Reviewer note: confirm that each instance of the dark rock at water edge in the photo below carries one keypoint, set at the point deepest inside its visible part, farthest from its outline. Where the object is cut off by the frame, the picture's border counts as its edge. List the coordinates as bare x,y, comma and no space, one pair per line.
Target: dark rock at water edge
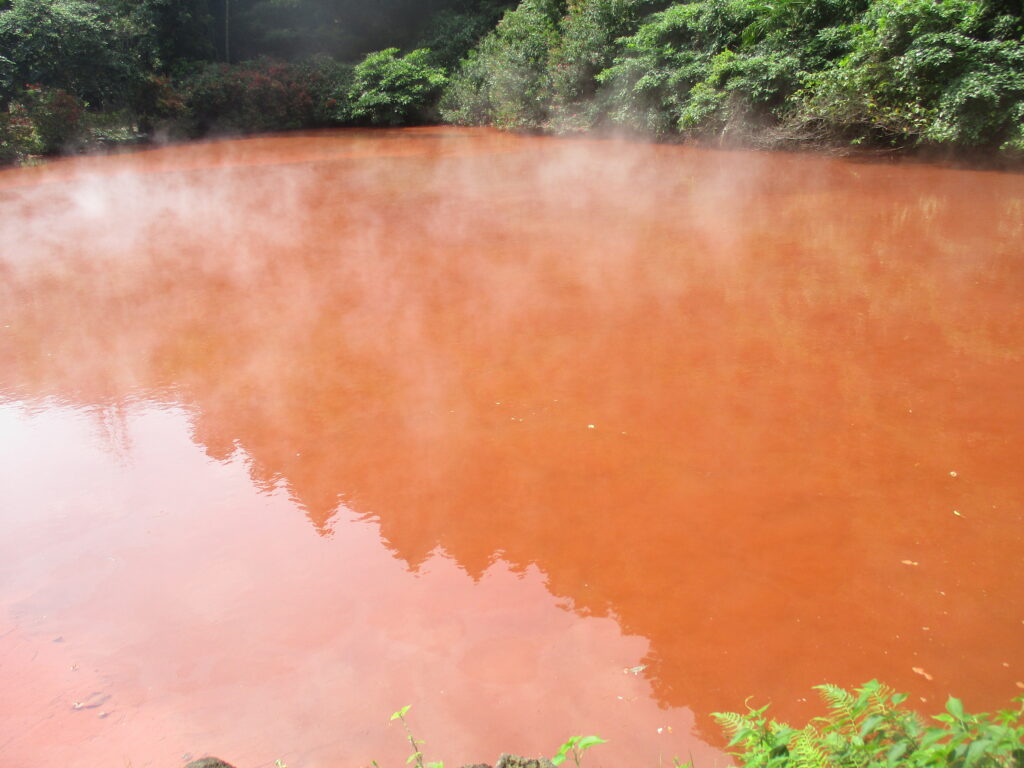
209,762
505,761
515,761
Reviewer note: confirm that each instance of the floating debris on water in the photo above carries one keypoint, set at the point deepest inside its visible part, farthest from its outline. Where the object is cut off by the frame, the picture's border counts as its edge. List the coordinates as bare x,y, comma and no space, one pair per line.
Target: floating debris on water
922,673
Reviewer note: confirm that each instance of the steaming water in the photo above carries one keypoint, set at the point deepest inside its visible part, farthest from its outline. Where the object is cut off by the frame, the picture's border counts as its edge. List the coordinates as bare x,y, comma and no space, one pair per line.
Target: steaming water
542,437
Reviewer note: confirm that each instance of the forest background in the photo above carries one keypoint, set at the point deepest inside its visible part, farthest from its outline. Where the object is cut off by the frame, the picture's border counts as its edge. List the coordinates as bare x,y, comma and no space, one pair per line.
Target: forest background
885,74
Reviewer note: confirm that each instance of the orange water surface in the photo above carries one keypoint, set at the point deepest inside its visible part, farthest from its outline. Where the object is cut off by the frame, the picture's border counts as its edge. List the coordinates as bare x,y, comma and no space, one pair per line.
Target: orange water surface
539,436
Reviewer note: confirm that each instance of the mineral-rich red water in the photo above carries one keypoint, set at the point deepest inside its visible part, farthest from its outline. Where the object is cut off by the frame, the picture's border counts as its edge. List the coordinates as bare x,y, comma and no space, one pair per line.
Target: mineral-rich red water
541,437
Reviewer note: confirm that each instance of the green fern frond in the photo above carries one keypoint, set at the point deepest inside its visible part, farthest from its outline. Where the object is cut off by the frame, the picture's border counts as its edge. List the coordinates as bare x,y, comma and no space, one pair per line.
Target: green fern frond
841,704
732,722
873,698
807,750
879,697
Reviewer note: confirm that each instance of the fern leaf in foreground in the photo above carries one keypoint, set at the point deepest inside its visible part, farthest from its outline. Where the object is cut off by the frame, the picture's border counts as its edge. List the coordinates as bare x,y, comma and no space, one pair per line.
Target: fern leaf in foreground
869,728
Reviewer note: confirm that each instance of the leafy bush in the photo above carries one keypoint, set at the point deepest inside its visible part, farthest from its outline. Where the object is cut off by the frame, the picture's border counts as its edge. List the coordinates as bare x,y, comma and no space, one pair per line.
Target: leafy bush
261,95
925,72
587,46
870,727
452,32
56,117
17,137
649,83
388,89
506,80
71,45
886,72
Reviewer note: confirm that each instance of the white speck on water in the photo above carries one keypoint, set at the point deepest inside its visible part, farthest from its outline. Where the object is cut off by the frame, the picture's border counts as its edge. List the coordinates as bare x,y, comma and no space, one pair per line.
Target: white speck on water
590,426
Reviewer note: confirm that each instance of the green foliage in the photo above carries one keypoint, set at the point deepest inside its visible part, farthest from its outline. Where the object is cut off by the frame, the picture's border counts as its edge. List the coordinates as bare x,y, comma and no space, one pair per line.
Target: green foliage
260,95
869,728
506,80
587,46
388,89
56,116
73,45
452,32
886,72
17,135
575,747
921,72
892,73
417,754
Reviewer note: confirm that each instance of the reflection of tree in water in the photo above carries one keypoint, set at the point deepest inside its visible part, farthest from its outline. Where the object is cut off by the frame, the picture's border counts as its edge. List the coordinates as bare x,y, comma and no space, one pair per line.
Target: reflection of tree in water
752,479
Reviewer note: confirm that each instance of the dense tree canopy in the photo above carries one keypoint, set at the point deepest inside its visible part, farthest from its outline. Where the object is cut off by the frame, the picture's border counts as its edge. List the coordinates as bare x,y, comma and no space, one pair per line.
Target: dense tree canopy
895,73
878,72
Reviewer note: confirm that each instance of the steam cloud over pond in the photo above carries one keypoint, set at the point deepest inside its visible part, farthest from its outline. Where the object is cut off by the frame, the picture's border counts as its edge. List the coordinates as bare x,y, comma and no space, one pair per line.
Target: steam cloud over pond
542,437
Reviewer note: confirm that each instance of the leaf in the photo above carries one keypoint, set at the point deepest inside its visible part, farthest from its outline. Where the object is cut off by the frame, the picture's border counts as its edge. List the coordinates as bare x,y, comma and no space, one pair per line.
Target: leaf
933,736
564,750
895,753
783,735
955,707
413,757
741,735
869,725
589,741
401,713
976,750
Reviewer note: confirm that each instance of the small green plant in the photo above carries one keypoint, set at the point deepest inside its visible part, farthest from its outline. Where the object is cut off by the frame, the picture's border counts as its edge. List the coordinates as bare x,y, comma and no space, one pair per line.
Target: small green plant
417,754
388,89
870,728
575,747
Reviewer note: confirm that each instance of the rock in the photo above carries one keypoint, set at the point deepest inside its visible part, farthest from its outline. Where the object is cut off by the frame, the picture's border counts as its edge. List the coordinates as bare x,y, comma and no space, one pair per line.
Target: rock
209,762
515,761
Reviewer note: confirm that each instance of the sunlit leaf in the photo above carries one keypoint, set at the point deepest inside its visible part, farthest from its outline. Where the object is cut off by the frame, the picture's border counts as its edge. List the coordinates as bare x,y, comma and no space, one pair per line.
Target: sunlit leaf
586,742
975,751
955,707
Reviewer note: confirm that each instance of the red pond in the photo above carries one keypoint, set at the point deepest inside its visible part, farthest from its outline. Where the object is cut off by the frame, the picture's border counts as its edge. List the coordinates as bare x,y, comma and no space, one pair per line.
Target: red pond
541,437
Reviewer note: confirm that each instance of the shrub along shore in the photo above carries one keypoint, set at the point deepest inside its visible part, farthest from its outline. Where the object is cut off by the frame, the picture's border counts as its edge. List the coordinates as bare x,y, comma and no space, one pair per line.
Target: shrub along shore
894,75
869,727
